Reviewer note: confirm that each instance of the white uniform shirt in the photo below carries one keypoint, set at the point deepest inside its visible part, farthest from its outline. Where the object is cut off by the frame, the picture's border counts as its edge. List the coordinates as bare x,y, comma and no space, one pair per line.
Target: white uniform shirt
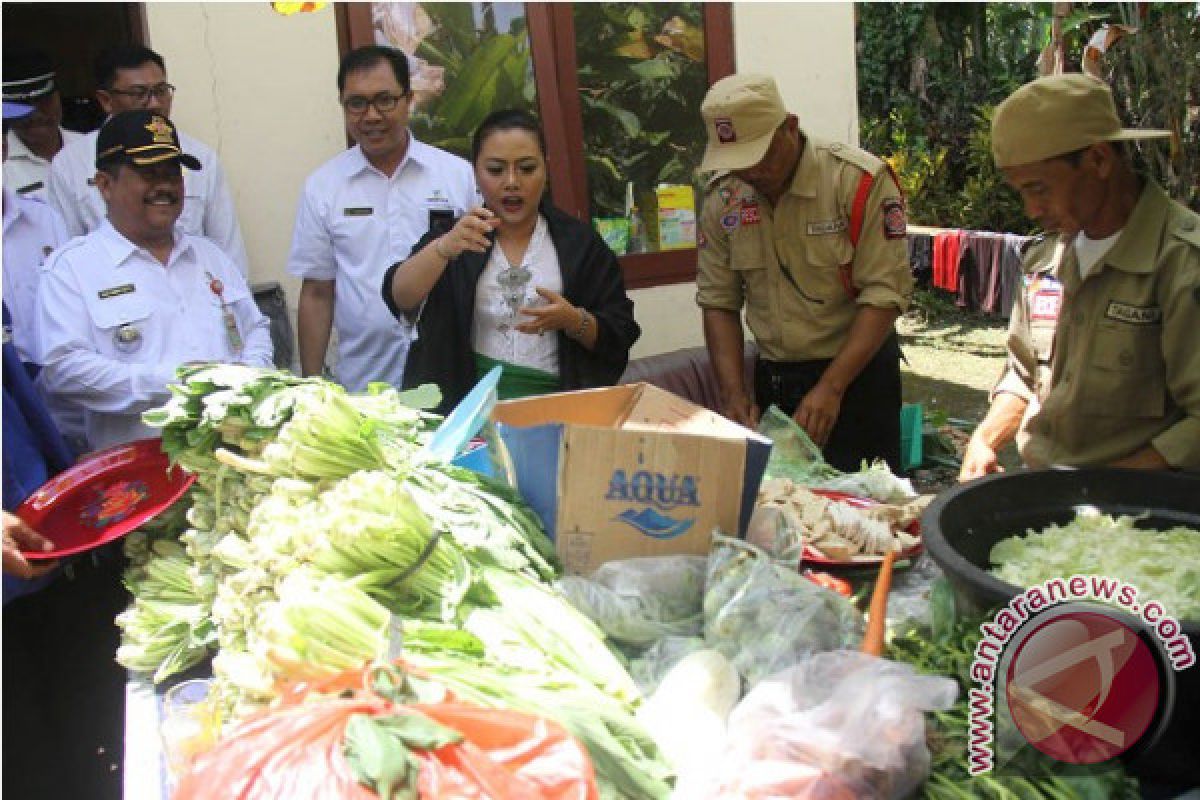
499,298
32,230
113,324
25,172
353,223
207,205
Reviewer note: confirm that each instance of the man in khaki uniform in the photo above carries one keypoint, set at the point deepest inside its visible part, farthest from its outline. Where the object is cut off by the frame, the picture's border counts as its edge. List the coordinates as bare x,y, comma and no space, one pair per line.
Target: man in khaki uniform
808,236
1122,386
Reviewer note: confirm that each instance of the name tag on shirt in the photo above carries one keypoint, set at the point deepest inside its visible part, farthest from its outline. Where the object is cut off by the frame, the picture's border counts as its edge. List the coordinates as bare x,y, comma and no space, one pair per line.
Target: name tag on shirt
116,291
33,187
828,226
1134,315
358,212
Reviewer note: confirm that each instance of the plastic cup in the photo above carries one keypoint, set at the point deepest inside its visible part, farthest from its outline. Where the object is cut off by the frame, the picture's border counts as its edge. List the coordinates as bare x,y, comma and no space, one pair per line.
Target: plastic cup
190,724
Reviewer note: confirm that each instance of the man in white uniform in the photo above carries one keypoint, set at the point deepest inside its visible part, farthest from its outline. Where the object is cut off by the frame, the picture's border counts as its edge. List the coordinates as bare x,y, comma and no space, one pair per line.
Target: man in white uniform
361,212
121,308
32,230
130,78
35,138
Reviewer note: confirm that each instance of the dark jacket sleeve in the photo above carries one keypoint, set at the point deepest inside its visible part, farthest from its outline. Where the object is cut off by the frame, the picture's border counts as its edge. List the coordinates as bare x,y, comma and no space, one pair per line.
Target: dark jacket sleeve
592,280
440,352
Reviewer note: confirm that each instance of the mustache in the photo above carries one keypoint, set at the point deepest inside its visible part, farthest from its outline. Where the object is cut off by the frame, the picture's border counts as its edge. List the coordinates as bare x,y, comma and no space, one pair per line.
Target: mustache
165,194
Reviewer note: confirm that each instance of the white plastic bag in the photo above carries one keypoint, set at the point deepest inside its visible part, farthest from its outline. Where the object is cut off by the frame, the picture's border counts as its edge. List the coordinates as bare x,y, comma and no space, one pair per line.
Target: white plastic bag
637,601
839,725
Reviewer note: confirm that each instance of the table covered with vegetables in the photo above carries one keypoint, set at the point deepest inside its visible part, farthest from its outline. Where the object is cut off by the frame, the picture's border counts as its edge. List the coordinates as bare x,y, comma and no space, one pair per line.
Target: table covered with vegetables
378,623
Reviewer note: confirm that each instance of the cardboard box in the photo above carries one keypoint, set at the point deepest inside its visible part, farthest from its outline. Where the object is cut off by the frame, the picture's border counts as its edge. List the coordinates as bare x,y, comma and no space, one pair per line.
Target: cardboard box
630,471
670,216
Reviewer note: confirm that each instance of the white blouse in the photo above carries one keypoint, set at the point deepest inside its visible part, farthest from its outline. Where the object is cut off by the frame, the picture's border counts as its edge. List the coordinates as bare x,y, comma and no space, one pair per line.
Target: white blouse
500,294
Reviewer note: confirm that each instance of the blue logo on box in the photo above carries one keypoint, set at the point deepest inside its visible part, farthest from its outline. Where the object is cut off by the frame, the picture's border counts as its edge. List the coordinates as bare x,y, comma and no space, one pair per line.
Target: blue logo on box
658,493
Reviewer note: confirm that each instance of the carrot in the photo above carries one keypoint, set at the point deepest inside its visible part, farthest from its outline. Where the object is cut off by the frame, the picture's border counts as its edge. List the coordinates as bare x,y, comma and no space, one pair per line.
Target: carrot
830,582
872,643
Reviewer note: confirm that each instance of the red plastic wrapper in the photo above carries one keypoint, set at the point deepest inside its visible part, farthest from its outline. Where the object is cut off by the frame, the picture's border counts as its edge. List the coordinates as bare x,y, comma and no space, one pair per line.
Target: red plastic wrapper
296,751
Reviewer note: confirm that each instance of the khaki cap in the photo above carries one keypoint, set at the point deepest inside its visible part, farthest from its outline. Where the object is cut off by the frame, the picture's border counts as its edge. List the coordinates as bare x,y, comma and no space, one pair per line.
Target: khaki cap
741,114
1056,115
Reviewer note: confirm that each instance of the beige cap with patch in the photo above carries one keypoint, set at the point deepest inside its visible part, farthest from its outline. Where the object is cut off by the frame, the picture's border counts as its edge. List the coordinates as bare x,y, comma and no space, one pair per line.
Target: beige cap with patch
1055,115
741,114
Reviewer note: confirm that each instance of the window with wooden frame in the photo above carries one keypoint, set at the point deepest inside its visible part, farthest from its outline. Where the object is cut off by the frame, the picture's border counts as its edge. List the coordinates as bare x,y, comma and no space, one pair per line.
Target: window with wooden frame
617,86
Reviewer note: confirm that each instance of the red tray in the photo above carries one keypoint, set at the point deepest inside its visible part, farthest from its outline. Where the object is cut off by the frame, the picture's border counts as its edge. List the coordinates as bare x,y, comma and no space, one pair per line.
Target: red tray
103,497
812,556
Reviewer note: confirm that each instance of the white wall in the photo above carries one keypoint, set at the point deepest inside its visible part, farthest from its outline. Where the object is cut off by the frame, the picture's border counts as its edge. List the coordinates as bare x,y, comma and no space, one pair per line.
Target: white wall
259,88
809,49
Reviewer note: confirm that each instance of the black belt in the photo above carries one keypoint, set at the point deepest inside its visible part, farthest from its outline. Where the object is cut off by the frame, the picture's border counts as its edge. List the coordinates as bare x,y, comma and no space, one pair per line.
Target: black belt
784,367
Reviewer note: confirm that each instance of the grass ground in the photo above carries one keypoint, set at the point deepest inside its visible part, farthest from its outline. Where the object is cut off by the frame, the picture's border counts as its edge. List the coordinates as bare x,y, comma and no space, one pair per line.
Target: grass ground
952,359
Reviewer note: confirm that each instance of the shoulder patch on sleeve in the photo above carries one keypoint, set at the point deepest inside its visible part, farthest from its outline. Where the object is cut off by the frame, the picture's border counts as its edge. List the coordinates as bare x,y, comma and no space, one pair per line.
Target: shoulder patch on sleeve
895,221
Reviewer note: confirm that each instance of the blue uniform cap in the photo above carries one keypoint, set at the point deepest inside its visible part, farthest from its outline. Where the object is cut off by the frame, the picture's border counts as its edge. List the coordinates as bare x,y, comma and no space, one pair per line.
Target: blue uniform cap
13,110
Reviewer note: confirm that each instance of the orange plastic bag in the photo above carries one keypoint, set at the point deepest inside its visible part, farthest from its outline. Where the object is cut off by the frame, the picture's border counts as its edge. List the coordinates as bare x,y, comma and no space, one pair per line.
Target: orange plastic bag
506,754
296,752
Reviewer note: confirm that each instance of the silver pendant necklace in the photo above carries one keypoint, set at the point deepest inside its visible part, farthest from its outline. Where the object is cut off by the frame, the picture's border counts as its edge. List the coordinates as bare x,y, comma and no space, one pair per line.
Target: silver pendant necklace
514,279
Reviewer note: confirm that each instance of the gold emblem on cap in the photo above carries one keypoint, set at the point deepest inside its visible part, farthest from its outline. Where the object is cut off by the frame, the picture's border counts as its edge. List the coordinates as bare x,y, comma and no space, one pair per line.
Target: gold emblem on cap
161,130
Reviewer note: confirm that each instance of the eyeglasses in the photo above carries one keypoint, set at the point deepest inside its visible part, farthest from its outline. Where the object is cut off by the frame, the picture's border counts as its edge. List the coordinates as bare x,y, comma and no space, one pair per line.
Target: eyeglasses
142,94
384,102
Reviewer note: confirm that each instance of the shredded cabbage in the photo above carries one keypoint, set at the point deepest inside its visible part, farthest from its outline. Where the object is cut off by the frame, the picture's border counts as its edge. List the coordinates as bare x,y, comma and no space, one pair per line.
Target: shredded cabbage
1162,565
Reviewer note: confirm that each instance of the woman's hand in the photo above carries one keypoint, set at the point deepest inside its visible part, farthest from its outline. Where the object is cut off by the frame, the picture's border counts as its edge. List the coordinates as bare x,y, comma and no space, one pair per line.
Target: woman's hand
18,537
556,315
469,233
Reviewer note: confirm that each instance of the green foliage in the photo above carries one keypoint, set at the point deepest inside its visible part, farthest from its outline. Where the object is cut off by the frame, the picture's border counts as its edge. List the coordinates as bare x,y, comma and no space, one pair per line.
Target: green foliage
1155,75
929,75
641,79
485,70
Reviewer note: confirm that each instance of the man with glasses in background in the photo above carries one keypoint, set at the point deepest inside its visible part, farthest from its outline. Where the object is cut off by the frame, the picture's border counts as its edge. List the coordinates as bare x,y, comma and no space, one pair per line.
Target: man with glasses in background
134,78
35,139
361,212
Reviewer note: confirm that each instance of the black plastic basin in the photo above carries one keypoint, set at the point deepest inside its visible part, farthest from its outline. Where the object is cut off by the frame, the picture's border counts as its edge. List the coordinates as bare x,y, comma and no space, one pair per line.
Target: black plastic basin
962,524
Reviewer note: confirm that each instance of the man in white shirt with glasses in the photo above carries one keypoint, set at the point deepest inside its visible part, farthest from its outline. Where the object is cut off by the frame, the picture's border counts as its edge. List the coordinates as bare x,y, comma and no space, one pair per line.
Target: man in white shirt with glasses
134,78
361,212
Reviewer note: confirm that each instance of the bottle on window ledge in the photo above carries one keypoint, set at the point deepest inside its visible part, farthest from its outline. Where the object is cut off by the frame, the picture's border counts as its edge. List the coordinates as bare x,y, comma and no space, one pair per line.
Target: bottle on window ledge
637,226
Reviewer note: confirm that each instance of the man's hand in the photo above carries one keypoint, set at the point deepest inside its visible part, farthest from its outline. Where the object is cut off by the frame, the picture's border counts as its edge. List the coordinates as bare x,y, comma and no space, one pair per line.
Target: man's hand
740,410
997,429
818,412
19,536
978,460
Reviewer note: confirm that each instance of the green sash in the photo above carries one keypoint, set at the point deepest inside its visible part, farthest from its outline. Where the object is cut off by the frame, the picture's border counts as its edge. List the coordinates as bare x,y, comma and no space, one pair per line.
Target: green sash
517,381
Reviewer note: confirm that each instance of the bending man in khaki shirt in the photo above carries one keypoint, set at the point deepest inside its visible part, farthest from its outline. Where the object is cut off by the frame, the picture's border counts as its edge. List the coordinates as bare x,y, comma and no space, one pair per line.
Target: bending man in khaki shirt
809,237
1120,383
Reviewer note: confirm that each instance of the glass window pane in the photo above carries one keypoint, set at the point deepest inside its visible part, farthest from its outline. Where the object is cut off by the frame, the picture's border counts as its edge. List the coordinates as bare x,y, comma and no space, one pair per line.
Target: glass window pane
468,59
642,77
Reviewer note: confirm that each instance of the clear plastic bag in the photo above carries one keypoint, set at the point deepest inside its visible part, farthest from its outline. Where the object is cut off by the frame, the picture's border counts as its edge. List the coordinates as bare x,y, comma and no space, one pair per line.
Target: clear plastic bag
765,617
793,454
772,530
648,669
637,601
839,725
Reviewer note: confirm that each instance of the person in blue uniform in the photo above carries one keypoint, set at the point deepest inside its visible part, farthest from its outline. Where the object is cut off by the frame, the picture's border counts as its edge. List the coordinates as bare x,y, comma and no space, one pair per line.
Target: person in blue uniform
64,694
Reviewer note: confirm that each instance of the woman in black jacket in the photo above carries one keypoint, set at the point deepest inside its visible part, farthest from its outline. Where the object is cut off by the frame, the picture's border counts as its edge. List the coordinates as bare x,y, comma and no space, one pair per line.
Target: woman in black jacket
515,282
